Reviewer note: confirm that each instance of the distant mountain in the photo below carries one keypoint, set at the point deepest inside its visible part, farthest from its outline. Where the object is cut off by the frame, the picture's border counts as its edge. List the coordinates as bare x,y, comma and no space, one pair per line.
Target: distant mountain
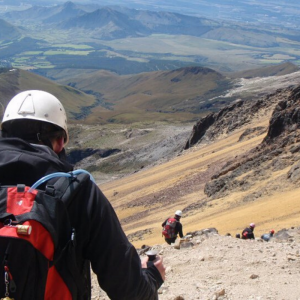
242,36
34,14
8,32
50,14
284,14
169,41
116,22
264,13
137,22
18,46
173,23
67,11
180,94
111,23
277,70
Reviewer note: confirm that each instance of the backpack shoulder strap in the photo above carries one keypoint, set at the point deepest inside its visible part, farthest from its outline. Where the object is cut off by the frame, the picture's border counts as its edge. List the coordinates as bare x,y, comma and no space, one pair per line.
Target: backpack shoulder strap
66,187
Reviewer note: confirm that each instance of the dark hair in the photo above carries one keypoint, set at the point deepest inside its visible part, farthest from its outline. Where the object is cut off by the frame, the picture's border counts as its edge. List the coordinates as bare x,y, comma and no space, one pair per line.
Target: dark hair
33,131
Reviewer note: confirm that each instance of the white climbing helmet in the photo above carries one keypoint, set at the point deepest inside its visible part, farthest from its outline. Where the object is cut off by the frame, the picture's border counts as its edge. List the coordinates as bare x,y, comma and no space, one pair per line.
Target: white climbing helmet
178,213
37,105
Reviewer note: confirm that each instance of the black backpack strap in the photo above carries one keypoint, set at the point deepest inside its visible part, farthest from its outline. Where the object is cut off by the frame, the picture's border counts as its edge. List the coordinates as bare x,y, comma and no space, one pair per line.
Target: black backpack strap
66,188
6,216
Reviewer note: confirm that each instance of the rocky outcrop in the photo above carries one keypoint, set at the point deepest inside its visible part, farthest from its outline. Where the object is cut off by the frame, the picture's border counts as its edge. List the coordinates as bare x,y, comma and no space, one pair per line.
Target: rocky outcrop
279,150
206,232
285,120
199,130
232,117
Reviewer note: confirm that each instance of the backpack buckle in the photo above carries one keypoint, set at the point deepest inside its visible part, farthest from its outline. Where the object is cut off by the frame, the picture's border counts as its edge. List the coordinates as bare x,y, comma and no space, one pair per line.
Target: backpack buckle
20,188
50,190
73,237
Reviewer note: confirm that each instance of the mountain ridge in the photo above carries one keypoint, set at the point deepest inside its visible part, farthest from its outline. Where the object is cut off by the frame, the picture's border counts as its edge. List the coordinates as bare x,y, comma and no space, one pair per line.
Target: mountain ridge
128,41
68,10
8,32
195,90
145,22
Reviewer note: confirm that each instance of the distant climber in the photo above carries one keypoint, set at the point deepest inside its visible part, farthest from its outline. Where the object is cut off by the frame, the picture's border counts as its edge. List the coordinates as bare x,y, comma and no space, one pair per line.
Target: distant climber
248,232
172,227
267,236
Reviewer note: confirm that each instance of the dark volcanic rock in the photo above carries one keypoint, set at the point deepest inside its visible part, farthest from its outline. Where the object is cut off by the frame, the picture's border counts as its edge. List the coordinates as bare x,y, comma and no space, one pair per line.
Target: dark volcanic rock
199,130
294,173
279,150
233,117
285,118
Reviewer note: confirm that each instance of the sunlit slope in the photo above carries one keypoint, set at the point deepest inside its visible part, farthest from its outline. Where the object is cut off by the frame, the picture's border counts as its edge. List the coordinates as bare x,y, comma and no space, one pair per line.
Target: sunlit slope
164,95
278,70
183,94
12,81
145,199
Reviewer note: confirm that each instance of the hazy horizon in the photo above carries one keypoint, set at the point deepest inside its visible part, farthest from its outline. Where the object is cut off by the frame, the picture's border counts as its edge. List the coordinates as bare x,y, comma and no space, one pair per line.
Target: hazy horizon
275,12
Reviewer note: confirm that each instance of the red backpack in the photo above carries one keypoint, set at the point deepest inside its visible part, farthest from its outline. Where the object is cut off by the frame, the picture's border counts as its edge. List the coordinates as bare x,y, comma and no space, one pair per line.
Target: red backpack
36,235
169,229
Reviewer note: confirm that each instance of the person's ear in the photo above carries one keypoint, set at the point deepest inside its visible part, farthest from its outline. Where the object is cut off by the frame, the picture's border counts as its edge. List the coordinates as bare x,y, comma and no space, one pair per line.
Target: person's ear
58,145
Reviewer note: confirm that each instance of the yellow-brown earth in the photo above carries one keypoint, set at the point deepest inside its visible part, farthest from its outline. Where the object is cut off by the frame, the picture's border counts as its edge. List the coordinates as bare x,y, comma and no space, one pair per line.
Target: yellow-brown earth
143,200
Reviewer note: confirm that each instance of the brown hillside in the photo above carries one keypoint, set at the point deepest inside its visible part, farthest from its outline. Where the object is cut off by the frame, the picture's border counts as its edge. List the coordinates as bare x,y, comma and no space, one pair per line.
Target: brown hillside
277,70
12,81
178,94
229,180
174,96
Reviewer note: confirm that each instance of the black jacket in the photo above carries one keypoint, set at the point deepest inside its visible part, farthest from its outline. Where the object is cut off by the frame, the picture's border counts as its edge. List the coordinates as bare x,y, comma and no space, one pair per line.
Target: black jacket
248,234
100,238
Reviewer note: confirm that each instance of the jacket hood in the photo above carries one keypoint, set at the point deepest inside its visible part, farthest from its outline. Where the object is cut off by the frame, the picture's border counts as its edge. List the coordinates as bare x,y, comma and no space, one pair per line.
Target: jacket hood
24,163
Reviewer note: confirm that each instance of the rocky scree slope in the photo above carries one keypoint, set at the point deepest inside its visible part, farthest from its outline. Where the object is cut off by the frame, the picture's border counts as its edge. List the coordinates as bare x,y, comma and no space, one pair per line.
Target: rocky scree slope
124,149
210,267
